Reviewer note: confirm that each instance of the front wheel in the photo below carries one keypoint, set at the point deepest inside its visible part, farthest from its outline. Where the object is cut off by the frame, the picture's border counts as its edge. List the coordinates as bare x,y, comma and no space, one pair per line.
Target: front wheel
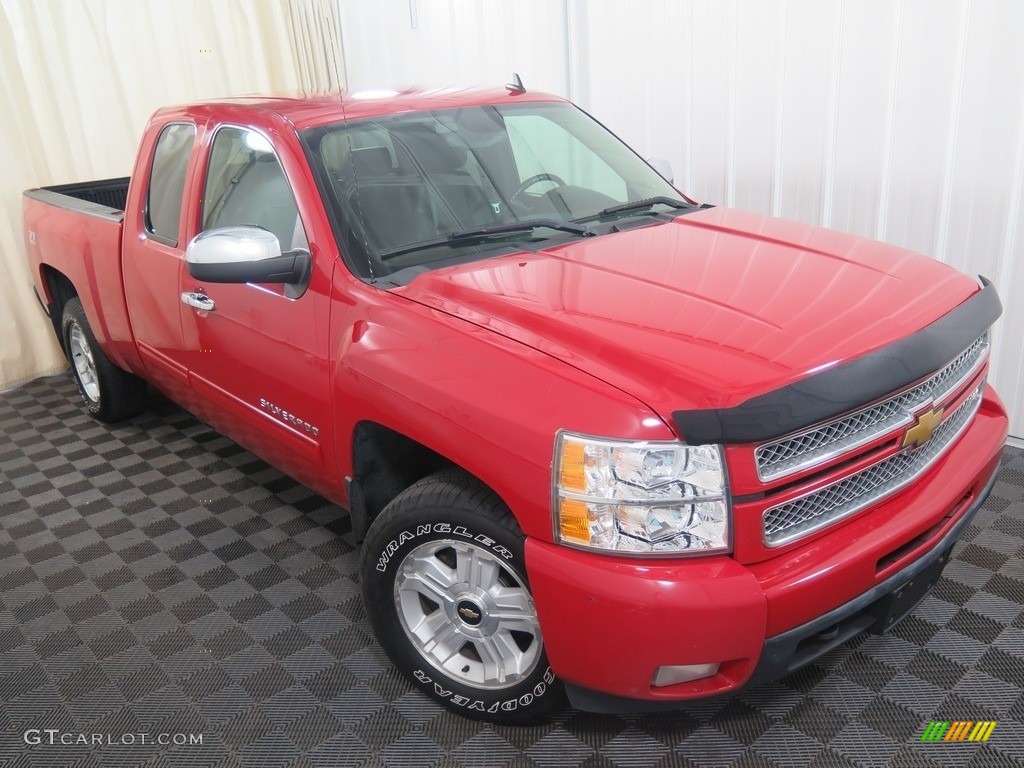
445,588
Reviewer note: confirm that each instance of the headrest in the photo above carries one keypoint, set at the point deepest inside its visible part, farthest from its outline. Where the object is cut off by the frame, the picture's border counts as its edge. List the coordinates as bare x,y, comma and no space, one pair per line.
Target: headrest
334,151
371,161
367,161
431,149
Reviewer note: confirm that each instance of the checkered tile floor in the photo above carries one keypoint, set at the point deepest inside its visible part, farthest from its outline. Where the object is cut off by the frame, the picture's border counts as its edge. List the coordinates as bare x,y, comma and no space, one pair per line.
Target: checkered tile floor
157,579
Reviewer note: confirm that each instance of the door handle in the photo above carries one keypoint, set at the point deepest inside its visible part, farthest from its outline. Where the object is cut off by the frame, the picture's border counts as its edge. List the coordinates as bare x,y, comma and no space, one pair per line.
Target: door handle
198,301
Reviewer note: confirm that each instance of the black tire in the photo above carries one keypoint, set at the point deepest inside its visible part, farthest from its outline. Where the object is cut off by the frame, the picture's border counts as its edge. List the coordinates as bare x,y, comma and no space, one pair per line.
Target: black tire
439,524
109,393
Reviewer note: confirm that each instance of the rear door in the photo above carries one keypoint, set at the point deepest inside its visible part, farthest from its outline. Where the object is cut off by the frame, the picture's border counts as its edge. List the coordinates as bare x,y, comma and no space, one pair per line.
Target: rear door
153,254
257,355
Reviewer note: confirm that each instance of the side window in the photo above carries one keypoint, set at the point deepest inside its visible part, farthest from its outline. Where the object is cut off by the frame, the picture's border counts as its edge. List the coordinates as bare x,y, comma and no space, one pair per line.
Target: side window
167,181
543,146
246,185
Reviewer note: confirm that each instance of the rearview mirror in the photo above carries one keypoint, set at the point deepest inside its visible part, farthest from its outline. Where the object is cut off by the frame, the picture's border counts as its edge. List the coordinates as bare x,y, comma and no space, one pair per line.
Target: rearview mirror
244,254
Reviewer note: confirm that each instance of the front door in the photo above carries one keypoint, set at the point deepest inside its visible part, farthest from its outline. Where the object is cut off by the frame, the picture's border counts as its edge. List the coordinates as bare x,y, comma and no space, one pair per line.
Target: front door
257,355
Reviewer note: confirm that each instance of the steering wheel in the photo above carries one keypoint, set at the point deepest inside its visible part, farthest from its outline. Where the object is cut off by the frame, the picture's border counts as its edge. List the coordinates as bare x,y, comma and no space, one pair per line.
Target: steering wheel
535,179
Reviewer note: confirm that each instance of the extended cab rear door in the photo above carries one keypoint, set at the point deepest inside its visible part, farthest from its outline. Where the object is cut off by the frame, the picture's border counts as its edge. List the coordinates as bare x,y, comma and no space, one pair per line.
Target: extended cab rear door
257,355
153,249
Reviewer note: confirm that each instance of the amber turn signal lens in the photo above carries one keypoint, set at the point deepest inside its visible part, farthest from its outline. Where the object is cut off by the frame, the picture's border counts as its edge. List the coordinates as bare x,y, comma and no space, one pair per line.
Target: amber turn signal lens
573,521
571,466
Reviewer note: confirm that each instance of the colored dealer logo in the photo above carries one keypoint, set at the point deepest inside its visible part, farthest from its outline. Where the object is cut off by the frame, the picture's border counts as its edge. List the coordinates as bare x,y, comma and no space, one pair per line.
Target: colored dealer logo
921,432
958,730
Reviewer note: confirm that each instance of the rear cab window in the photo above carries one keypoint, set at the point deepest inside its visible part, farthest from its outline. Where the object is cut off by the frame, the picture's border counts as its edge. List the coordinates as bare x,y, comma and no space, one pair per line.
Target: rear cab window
167,182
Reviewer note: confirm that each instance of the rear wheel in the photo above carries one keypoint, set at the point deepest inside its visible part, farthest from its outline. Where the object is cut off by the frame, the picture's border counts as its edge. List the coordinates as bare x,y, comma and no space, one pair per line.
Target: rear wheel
109,393
445,587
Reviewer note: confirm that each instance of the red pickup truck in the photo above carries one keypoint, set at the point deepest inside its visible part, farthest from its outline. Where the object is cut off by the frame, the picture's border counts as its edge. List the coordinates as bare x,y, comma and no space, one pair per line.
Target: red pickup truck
601,441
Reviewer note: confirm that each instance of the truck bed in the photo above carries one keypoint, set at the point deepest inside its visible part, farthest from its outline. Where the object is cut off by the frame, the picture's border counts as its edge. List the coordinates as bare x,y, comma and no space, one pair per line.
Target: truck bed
72,235
104,197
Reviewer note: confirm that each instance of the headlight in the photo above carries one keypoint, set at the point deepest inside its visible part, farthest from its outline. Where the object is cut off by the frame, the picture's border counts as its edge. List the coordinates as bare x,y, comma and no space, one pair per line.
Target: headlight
640,497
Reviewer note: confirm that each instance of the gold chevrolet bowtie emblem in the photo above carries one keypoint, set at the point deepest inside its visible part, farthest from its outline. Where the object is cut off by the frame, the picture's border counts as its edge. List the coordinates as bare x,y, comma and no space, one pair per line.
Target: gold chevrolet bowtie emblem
921,432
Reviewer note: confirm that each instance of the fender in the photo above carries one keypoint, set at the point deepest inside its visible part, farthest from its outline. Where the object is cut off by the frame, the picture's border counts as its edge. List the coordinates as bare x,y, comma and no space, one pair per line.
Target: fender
487,403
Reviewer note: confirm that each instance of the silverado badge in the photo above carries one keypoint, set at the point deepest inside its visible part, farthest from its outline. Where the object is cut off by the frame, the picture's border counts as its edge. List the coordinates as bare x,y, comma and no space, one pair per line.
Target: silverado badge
289,418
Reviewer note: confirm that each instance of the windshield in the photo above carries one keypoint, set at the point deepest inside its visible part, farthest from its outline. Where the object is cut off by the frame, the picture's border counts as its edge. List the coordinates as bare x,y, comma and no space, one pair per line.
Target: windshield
419,189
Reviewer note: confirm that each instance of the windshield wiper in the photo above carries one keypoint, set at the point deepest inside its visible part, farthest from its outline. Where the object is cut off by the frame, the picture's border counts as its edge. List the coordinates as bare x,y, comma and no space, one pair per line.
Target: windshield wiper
639,205
523,226
482,233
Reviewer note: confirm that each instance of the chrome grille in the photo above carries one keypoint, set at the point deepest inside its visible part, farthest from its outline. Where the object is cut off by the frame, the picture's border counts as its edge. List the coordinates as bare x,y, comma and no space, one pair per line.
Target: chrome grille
795,453
799,517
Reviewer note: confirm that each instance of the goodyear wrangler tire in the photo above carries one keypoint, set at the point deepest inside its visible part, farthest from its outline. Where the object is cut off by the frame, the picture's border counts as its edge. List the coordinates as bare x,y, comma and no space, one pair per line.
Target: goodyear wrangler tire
444,582
109,393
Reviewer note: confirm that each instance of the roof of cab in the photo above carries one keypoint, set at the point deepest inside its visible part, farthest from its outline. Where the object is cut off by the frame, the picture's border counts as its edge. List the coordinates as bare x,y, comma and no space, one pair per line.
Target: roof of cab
308,111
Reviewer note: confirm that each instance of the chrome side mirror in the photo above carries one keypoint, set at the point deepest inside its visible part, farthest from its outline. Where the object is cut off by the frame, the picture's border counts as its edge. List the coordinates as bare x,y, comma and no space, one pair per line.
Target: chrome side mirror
244,254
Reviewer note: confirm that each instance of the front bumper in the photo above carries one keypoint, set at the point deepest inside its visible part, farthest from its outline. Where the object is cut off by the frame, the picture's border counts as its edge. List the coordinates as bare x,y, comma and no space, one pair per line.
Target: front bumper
610,622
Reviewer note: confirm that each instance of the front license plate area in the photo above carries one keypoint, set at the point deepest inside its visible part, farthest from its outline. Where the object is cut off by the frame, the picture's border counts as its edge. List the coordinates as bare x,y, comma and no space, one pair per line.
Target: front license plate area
890,609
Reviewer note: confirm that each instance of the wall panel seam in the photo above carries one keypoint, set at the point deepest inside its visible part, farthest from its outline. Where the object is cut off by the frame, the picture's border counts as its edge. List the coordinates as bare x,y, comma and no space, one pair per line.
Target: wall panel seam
780,92
832,118
890,127
953,137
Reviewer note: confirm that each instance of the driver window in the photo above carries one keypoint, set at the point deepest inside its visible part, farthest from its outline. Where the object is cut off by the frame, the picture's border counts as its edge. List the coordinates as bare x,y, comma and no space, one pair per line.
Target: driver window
245,184
541,146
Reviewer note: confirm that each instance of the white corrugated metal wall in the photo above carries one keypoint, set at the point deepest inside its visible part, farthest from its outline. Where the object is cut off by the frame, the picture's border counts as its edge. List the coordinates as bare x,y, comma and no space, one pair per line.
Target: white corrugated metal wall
902,121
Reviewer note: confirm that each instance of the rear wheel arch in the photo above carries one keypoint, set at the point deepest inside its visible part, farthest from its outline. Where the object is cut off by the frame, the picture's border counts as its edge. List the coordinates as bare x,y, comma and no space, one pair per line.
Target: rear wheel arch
60,291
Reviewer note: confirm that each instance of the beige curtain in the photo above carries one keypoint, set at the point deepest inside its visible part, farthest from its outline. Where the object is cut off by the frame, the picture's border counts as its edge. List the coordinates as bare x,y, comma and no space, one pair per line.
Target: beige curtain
80,80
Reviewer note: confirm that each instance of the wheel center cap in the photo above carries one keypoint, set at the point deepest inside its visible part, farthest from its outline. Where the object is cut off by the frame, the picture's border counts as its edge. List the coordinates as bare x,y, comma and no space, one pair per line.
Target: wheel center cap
469,612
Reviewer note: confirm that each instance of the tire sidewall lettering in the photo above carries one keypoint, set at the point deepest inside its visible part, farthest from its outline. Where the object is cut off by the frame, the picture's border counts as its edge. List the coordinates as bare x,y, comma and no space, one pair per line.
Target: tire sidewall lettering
507,705
443,512
388,551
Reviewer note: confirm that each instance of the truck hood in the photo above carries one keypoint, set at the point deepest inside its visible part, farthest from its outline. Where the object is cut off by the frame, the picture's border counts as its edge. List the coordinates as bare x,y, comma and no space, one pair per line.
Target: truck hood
705,311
